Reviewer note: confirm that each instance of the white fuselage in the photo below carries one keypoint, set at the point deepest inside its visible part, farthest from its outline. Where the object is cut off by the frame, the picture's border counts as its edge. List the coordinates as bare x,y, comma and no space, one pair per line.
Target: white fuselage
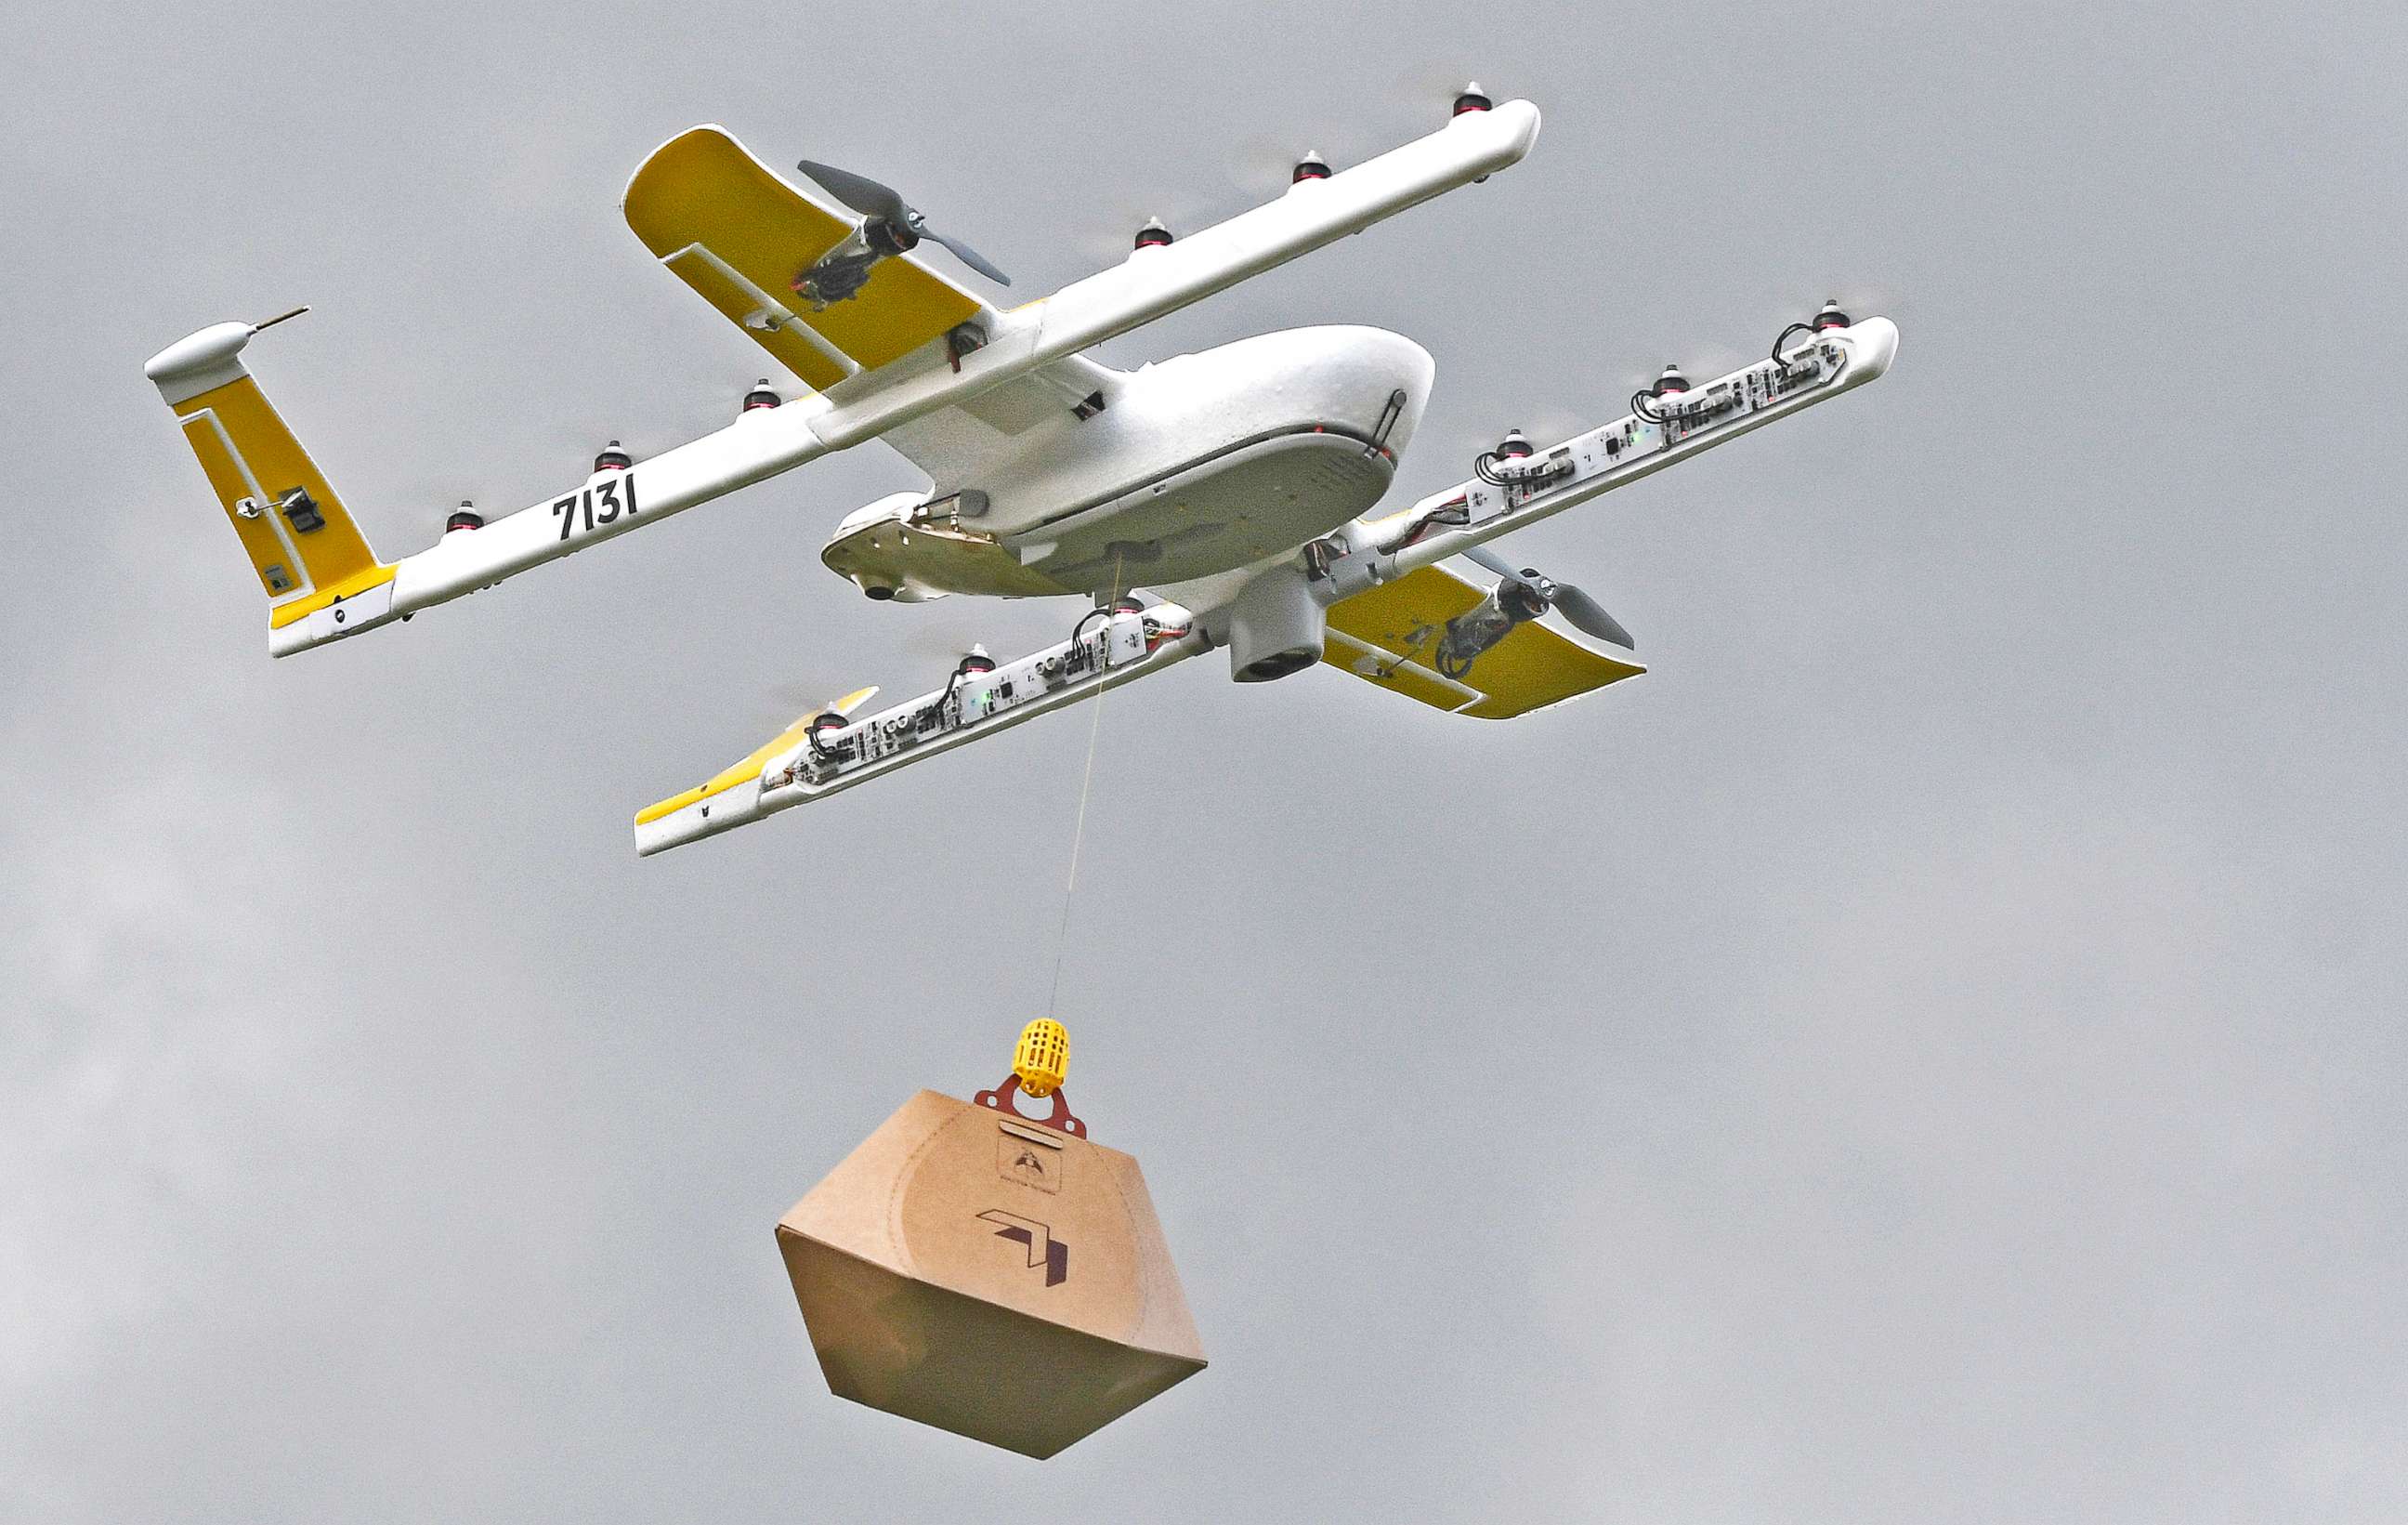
1194,465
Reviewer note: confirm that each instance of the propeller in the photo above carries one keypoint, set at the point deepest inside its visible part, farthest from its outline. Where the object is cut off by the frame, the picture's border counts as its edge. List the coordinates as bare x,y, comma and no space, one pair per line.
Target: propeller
884,203
1585,613
1417,96
1373,119
788,696
848,704
1111,212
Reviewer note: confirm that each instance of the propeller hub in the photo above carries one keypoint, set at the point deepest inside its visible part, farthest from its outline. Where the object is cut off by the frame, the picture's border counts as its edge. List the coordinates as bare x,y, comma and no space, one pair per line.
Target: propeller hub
893,225
889,238
1525,593
1521,600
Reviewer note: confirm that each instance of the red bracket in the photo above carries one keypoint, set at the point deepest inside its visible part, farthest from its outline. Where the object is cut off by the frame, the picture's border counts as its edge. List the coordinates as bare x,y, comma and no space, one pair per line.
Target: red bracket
1001,1100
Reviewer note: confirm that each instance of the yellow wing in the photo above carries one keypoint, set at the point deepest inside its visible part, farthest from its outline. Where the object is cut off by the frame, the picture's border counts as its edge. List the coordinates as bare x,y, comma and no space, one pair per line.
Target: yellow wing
750,768
728,226
1389,635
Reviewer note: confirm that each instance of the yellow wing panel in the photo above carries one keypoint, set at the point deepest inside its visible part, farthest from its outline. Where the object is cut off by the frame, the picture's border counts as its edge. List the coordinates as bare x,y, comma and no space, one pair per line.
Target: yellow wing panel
1389,635
1377,665
755,235
750,768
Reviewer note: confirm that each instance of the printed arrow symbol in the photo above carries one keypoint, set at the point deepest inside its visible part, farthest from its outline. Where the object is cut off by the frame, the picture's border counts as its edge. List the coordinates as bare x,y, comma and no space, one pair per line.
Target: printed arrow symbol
1043,1248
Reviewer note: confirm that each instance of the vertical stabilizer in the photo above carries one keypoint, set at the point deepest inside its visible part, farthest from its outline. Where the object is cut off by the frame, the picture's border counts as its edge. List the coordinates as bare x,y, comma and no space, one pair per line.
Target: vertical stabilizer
303,545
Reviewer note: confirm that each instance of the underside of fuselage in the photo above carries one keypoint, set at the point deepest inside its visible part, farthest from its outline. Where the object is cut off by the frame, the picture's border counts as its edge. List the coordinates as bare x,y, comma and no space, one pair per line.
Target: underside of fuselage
1198,465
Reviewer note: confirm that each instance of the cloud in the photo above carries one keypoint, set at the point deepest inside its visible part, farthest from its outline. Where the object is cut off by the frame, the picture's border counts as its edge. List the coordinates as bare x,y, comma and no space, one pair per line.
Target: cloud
1926,1049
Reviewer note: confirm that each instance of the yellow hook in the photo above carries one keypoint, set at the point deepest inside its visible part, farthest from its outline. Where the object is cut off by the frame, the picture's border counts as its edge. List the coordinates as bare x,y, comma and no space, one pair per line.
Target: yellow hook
1042,1056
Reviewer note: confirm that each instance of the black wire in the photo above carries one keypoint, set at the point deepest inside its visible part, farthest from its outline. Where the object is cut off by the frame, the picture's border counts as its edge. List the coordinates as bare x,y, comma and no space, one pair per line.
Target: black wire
951,683
1483,466
1793,329
1452,516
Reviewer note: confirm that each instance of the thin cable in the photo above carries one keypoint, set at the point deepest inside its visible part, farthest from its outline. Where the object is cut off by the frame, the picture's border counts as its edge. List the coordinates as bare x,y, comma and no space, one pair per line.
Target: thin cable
1078,836
1079,831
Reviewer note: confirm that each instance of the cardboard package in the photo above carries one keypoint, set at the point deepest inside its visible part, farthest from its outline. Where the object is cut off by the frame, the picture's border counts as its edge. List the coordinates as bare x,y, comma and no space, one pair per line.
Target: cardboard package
1002,1278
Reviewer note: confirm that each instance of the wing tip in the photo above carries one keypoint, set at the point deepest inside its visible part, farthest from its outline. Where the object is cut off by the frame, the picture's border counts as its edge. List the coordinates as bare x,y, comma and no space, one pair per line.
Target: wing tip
700,129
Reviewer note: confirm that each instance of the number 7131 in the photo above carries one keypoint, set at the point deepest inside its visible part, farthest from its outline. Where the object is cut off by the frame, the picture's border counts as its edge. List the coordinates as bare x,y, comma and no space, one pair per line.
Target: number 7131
614,495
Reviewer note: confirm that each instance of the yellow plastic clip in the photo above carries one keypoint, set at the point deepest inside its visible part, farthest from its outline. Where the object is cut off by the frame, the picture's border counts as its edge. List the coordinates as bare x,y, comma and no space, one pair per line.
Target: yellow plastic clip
1042,1059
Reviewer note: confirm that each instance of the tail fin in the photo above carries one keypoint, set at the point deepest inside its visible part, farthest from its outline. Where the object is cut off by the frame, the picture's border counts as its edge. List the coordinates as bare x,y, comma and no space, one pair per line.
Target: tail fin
302,541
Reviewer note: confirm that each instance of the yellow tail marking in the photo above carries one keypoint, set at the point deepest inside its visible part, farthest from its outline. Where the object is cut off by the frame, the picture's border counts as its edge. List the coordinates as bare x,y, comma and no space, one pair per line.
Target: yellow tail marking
252,460
301,609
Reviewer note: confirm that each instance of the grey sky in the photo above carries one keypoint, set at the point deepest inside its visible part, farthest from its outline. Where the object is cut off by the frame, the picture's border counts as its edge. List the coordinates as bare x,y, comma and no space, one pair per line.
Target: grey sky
1930,1050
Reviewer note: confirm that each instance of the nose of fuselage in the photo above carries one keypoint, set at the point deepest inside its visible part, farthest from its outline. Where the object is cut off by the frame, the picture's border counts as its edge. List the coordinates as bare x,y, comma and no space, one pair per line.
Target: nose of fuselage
1414,373
1367,380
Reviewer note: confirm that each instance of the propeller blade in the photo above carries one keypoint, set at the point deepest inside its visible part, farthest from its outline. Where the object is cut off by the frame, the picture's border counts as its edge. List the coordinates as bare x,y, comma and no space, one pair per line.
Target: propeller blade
1585,613
968,255
1496,563
1589,616
872,199
859,192
787,696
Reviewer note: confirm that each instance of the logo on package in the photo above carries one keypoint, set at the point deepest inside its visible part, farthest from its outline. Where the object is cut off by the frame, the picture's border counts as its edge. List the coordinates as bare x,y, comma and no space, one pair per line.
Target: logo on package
1025,1158
1043,1248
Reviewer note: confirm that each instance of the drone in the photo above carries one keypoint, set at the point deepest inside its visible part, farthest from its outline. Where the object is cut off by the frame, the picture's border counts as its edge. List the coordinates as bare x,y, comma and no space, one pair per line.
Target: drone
1229,499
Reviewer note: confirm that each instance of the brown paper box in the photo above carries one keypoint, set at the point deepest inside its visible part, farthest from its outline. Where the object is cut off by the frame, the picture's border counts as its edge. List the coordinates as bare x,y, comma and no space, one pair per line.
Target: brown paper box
982,1274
